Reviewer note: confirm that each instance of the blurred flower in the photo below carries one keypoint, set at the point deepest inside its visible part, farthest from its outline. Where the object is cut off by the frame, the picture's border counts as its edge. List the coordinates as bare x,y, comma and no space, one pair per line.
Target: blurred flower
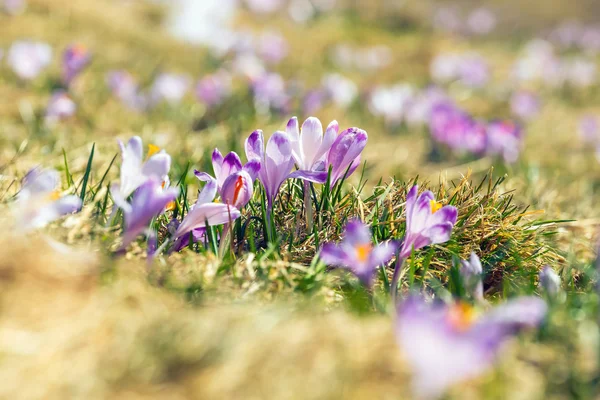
75,58
549,281
170,88
504,138
341,90
589,129
14,7
581,73
310,147
264,6
39,202
270,94
272,47
313,101
213,89
391,102
344,155
301,11
590,40
538,57
28,58
427,221
59,107
445,67
474,71
135,171
525,105
448,344
125,88
471,273
357,253
446,19
567,34
276,161
481,21
149,201
420,108
456,129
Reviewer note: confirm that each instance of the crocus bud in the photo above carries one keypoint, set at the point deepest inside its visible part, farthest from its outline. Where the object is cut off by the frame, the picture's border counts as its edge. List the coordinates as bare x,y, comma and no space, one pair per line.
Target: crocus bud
470,272
237,189
549,281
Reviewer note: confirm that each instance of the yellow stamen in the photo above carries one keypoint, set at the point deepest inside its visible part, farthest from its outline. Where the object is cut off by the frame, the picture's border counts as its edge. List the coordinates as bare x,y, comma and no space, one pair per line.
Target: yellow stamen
363,251
461,316
171,206
152,150
53,196
435,206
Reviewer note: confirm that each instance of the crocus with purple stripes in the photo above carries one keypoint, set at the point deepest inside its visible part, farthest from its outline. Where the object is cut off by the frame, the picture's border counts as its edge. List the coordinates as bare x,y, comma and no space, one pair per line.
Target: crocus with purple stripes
344,155
75,58
357,253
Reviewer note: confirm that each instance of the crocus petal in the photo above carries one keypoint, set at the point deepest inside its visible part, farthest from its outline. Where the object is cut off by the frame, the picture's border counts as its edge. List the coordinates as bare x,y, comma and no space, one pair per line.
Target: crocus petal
231,165
211,213
208,193
252,167
254,145
217,162
411,199
158,165
67,205
421,212
345,149
439,233
328,138
522,312
444,214
237,189
203,176
311,138
293,133
310,176
357,233
334,255
278,163
382,253
118,198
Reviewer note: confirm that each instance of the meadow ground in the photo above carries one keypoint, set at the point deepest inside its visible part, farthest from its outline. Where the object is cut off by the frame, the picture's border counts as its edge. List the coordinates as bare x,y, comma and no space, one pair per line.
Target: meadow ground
267,320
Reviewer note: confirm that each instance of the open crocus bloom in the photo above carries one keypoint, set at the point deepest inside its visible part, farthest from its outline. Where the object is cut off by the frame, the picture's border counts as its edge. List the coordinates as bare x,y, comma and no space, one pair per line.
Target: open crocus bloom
448,344
135,171
470,272
223,167
344,155
60,107
427,222
275,160
75,58
149,201
310,147
504,138
357,253
39,202
27,59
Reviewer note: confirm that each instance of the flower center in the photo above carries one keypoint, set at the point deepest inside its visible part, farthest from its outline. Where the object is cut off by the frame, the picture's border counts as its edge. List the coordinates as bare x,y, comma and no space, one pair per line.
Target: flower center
152,150
239,185
461,316
435,206
53,196
363,251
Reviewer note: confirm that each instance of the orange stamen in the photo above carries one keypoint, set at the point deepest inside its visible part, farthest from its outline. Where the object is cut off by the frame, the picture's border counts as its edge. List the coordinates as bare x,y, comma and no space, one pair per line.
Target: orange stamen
363,251
461,316
239,184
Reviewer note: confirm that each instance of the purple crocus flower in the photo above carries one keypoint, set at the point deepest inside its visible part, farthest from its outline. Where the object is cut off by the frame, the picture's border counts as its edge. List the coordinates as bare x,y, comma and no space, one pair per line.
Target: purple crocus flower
391,102
474,71
357,253
589,129
276,160
449,344
170,88
525,105
427,221
344,155
272,47
75,58
40,202
471,272
135,171
341,90
212,214
126,89
213,89
149,201
481,21
28,58
270,93
504,138
234,181
310,147
456,129
549,281
313,101
60,107
14,7
420,108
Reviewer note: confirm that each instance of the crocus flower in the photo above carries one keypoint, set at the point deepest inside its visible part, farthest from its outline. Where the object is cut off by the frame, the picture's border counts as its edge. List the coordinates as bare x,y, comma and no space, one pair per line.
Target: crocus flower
14,7
40,202
28,59
234,181
427,221
170,88
357,253
276,160
581,72
264,6
213,89
525,105
549,281
314,101
135,171
272,47
75,58
270,93
341,90
456,129
391,102
310,147
149,201
344,155
126,89
420,108
481,21
212,214
448,344
60,107
589,129
471,272
504,138
474,71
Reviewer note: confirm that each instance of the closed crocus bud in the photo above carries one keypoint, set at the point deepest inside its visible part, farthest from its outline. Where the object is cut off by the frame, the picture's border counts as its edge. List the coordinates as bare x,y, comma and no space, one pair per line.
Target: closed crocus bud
237,189
549,281
345,152
470,272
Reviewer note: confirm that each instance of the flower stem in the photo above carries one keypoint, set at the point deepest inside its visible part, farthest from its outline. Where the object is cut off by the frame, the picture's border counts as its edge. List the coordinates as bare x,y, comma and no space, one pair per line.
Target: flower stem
394,286
308,207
